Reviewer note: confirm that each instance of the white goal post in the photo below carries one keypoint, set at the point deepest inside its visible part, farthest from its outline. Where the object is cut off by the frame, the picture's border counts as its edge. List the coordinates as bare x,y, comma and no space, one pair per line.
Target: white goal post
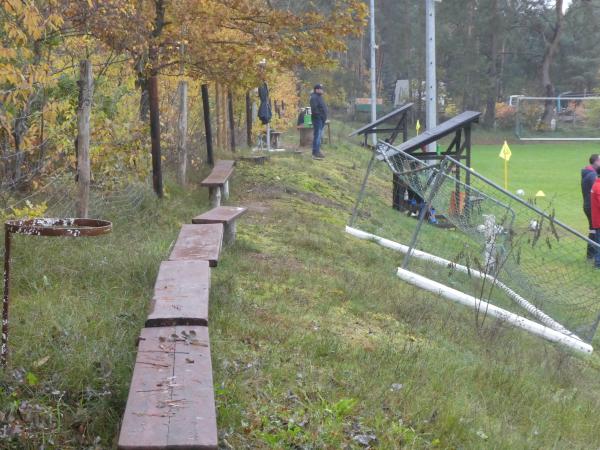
550,330
585,131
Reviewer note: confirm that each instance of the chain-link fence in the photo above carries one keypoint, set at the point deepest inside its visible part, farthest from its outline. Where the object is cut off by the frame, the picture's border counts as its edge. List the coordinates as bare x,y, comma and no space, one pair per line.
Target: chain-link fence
464,232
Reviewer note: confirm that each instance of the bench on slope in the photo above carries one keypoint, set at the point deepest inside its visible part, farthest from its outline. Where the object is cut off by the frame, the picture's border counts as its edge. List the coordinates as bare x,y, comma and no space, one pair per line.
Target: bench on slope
225,215
171,397
218,182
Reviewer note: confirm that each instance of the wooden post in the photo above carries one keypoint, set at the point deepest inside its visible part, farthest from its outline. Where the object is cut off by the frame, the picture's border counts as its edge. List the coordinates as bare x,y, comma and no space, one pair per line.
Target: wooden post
219,134
182,126
231,120
207,127
155,135
84,109
248,119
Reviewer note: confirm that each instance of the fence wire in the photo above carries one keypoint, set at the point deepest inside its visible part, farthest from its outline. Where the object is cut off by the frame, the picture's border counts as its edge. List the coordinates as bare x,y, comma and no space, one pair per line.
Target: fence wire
491,244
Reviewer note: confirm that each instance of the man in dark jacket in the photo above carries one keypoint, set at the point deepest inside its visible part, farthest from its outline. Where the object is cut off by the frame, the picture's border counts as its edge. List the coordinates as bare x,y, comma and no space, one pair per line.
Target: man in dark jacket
588,178
319,117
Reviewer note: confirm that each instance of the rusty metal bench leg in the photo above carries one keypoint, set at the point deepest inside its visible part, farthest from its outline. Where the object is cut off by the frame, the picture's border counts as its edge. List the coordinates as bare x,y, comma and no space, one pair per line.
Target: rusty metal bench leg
214,195
229,231
225,190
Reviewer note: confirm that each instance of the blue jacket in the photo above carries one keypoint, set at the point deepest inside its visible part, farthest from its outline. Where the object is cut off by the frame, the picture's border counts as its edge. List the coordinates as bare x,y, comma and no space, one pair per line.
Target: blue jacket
588,177
317,106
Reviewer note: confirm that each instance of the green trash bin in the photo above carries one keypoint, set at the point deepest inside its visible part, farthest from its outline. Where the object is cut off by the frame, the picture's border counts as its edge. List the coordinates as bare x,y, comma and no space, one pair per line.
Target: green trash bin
307,117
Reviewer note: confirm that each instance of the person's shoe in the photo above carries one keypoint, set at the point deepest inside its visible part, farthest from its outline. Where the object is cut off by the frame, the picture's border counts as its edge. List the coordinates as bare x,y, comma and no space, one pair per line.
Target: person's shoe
319,156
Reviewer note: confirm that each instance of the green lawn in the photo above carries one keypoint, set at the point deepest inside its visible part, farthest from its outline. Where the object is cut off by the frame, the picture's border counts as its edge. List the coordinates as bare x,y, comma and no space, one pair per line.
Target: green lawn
315,343
552,168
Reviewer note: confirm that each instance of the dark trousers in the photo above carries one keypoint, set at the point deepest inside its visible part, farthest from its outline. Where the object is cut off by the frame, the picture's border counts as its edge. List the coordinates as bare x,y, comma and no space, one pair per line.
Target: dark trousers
592,233
318,126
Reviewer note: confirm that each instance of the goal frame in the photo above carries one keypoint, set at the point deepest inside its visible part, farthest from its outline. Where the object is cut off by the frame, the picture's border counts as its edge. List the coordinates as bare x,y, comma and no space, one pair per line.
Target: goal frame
518,133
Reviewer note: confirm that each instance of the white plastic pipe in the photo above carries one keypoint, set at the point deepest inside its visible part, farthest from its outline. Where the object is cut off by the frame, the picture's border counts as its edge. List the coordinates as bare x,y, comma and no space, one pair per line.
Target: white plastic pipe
536,312
501,314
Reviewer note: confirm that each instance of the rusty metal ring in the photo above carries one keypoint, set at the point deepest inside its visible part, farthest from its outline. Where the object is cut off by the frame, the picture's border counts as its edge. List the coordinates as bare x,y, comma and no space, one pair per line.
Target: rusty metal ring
69,227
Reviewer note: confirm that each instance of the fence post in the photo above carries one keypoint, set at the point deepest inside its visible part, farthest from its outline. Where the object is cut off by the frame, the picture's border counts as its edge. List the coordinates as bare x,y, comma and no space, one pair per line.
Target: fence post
248,119
207,127
86,89
231,119
182,127
155,135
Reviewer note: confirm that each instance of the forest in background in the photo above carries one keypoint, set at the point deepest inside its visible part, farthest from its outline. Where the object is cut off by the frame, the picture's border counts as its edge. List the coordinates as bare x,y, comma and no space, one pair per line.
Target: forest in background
487,51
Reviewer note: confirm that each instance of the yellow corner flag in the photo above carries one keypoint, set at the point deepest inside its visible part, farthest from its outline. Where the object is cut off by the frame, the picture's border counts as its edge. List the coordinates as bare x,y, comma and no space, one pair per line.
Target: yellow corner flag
418,126
505,154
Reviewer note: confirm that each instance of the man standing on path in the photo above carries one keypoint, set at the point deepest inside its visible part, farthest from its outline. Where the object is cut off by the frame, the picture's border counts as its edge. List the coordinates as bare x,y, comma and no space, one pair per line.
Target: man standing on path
588,178
319,117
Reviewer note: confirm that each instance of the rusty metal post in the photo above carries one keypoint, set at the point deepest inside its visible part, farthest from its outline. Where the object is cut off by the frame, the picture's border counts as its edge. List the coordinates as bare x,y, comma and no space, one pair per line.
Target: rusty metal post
4,350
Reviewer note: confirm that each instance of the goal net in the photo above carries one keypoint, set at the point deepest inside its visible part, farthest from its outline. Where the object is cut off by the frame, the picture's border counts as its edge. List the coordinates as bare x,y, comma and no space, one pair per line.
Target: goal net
460,231
565,118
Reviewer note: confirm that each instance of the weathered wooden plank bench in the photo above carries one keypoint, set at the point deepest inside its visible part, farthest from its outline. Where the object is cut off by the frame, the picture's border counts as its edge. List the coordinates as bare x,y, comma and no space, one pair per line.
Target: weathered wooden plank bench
180,294
218,182
199,243
171,398
226,215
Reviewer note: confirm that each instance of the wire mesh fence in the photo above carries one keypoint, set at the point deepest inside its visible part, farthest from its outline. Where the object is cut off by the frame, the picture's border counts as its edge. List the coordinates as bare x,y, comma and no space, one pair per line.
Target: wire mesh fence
471,235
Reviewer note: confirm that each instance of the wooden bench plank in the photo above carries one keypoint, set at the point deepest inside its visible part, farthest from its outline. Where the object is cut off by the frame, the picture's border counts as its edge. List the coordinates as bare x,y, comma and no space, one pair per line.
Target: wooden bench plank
226,215
225,163
171,398
198,242
180,294
217,177
222,214
221,172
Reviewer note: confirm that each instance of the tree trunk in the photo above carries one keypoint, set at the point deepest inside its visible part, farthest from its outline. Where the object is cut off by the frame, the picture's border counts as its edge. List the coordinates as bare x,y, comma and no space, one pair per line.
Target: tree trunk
492,95
182,128
84,109
141,82
207,126
18,132
550,52
248,119
155,136
231,120
152,85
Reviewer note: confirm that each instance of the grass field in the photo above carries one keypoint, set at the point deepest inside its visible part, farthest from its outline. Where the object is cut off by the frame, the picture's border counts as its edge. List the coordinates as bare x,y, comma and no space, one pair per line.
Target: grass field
552,168
315,343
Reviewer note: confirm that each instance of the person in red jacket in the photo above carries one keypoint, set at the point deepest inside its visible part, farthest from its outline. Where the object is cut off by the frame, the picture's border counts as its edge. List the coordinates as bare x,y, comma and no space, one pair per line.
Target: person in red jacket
595,207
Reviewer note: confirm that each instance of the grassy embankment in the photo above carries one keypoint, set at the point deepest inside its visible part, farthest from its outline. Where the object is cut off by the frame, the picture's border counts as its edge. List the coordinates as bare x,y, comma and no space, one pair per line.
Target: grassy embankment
315,342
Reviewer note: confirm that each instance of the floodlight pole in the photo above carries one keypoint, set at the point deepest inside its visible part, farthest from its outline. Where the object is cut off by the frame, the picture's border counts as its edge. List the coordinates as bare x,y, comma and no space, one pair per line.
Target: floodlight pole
431,107
373,71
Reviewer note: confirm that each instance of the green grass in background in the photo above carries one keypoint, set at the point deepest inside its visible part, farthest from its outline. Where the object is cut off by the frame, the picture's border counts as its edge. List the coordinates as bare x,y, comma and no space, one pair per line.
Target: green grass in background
551,167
